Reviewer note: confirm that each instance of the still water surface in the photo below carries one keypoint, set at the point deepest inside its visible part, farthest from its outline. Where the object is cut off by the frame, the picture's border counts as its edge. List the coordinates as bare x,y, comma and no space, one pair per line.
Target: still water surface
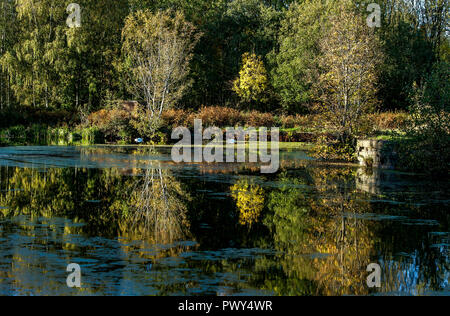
138,224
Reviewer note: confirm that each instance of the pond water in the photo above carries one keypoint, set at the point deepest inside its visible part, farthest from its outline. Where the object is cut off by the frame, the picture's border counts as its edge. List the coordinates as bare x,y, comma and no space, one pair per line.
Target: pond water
138,224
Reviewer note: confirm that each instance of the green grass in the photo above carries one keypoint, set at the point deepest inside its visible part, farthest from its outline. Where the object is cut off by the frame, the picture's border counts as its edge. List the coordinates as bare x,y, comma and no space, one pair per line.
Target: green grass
389,136
293,145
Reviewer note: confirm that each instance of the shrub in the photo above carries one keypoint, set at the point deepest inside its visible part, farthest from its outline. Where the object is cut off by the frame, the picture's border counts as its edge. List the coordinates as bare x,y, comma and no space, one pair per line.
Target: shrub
176,117
330,149
112,123
389,120
140,123
287,121
18,131
219,116
258,119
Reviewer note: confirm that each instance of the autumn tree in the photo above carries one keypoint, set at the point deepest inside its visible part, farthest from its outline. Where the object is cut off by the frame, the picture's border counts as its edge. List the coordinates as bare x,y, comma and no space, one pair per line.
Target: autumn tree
346,85
252,83
158,48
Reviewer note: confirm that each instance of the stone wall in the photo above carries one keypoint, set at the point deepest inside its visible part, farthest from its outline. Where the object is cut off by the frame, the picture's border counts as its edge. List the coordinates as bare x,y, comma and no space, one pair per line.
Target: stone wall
376,153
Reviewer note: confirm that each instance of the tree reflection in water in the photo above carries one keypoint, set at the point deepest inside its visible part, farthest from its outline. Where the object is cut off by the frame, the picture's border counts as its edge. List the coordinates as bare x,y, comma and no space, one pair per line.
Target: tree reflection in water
249,199
319,249
325,238
308,230
154,209
158,207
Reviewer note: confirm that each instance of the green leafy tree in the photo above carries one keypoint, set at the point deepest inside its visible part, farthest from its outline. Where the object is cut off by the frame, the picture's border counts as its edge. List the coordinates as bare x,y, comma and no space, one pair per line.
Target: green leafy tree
430,128
94,52
29,62
52,65
413,33
8,27
297,56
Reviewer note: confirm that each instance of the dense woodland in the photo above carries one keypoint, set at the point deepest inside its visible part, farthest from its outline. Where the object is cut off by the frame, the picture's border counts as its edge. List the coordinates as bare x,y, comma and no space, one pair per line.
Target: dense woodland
46,64
281,57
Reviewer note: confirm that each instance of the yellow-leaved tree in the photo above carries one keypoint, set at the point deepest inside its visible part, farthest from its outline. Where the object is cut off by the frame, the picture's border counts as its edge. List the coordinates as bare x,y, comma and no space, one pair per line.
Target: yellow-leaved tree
252,83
